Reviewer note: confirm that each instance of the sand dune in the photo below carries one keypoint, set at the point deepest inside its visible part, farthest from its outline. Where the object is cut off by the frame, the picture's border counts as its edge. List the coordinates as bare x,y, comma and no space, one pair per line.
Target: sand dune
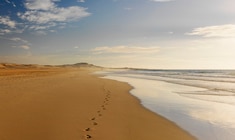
36,66
2,66
70,103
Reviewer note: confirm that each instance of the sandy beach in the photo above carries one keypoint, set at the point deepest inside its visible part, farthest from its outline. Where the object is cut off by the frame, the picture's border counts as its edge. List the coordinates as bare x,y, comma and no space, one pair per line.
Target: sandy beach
74,104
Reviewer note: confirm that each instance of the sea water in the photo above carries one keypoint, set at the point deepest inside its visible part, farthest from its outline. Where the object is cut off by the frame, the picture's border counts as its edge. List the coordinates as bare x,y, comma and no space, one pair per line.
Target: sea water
201,102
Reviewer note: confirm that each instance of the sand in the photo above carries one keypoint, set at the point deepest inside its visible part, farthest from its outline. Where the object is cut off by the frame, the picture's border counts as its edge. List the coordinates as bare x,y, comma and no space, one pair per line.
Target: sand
73,104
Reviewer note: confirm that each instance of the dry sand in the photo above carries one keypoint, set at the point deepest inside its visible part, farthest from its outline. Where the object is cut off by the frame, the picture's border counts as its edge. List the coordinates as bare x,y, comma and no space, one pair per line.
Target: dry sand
62,104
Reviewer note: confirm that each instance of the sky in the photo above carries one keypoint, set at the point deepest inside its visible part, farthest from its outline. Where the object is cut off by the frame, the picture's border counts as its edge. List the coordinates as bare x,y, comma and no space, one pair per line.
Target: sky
159,34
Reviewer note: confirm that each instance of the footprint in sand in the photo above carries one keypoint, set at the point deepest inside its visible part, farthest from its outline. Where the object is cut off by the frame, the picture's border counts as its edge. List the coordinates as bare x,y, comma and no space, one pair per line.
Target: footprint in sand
88,137
105,102
87,129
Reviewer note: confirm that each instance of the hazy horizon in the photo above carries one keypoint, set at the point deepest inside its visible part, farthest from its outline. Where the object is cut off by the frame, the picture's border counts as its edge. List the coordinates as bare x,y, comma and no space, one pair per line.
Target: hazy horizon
154,34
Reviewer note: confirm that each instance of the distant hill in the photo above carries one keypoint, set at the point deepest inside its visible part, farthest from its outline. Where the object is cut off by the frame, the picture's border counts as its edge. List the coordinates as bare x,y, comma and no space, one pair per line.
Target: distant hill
25,66
83,64
18,66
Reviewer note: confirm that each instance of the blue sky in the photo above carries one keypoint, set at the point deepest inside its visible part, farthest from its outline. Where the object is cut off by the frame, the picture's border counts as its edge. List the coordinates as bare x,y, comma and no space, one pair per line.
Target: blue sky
171,34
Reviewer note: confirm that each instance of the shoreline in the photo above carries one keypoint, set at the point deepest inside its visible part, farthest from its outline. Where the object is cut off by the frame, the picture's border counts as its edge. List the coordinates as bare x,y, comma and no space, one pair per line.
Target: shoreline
183,102
74,104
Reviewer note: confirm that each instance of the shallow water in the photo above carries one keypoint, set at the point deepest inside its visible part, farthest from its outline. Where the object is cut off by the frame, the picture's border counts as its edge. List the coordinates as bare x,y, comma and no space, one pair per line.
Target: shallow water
201,102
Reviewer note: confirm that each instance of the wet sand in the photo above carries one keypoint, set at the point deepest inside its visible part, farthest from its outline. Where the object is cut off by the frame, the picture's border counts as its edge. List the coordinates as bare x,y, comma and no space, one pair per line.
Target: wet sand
73,104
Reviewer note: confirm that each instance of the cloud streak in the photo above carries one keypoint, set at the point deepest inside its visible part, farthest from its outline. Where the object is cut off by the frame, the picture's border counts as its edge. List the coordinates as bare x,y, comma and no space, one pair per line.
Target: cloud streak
7,1
227,30
17,39
17,42
25,47
4,31
125,50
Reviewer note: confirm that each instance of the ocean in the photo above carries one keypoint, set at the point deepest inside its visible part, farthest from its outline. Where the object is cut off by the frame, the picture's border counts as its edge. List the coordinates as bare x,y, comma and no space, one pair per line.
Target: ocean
202,102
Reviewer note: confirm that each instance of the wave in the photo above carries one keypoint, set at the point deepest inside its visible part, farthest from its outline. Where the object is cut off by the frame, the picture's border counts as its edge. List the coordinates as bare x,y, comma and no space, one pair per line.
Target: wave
210,96
203,75
213,80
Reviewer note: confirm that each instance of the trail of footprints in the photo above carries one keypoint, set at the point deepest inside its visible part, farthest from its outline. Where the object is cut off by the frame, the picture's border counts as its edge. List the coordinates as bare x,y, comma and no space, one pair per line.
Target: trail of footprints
99,113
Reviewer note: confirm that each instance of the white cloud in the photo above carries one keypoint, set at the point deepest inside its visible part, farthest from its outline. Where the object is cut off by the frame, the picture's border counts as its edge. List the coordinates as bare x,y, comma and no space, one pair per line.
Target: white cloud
40,4
125,50
7,21
80,0
24,47
161,0
40,32
44,14
4,31
56,15
227,30
52,31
